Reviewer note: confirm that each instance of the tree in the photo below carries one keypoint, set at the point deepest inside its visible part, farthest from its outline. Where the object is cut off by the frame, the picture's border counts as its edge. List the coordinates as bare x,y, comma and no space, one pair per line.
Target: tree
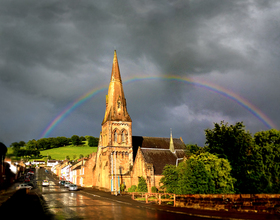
170,178
266,164
219,170
75,140
32,145
234,143
194,178
82,138
92,141
142,185
44,143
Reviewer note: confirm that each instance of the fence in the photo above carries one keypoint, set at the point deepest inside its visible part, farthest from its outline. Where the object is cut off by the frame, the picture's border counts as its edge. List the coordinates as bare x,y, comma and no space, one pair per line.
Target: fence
158,198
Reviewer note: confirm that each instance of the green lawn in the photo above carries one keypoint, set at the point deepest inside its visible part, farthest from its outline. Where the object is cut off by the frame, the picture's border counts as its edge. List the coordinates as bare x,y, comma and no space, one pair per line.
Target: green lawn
61,152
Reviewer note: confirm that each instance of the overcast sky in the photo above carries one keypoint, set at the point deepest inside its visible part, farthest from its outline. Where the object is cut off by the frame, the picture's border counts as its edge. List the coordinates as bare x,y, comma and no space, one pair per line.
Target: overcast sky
53,52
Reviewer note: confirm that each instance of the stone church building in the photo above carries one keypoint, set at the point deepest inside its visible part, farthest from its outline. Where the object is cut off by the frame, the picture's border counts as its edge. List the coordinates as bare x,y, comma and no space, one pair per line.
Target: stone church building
122,158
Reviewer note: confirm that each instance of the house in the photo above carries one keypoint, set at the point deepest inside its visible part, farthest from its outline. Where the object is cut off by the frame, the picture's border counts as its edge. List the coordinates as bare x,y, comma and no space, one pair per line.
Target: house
77,172
52,163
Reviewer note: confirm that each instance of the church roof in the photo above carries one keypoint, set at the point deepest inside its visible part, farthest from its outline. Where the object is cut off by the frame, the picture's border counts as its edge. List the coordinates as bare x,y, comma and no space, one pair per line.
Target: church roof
156,142
159,158
156,151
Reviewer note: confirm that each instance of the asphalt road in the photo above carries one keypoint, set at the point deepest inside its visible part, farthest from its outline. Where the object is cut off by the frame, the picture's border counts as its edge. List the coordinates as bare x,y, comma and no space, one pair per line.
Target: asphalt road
56,202
95,204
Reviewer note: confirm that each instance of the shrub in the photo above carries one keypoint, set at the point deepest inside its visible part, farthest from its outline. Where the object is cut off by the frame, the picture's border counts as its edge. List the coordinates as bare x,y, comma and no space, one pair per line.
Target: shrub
133,188
154,189
142,185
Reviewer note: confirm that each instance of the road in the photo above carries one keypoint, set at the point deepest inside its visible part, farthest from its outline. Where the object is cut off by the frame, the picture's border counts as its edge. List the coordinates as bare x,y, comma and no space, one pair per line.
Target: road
94,204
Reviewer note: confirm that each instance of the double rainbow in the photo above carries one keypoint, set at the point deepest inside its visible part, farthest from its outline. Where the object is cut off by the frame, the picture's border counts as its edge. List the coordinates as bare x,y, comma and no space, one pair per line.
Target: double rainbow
196,82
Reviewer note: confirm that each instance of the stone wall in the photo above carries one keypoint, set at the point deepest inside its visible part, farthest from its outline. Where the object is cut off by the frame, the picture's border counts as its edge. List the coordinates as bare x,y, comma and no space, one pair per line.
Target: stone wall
268,203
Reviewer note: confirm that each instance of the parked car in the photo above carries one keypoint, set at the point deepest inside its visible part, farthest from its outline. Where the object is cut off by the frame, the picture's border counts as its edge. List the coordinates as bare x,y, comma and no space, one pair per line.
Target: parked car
24,186
45,183
73,187
62,182
66,184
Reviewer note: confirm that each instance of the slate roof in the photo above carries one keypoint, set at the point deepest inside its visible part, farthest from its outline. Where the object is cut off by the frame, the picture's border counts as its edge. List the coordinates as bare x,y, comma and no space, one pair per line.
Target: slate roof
156,143
156,151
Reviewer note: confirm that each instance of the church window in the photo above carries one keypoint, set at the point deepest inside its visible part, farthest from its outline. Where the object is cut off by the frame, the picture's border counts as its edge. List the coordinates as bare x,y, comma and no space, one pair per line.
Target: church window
116,136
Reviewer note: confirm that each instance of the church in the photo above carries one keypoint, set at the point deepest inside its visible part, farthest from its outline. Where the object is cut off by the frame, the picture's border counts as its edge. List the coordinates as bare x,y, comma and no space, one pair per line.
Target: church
122,158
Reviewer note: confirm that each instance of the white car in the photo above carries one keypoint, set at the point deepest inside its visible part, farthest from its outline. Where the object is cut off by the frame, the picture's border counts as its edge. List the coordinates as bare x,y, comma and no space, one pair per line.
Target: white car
24,186
45,183
73,187
67,184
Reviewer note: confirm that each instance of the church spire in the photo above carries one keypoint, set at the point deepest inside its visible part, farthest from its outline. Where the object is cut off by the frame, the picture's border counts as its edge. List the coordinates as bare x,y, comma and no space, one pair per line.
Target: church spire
115,100
115,76
171,144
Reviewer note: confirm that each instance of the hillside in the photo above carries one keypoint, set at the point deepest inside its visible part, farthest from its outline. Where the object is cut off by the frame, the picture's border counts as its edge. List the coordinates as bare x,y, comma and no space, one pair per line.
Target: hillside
61,152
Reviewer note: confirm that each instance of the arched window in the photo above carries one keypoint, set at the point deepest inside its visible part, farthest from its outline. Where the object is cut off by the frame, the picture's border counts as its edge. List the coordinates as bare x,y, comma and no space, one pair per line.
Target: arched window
123,136
116,136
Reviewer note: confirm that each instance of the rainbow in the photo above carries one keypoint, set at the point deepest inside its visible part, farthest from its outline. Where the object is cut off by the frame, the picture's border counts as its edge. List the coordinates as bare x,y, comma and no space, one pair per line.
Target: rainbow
196,82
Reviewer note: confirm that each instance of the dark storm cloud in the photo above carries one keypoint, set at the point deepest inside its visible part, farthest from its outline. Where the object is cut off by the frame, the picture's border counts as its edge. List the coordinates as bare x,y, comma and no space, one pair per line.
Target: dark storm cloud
52,52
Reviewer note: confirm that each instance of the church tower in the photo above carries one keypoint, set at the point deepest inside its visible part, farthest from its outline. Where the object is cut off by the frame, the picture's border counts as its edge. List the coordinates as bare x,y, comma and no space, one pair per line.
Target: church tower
114,155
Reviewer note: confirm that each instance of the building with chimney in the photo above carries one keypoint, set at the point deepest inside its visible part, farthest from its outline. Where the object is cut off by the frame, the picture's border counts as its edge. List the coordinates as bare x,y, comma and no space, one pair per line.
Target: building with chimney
122,158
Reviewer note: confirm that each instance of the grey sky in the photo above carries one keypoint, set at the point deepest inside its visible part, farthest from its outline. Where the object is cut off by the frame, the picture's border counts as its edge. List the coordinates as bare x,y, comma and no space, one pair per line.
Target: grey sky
53,52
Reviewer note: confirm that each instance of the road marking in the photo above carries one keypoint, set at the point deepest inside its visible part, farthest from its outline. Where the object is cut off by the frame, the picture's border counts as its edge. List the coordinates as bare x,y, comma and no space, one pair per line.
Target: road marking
91,194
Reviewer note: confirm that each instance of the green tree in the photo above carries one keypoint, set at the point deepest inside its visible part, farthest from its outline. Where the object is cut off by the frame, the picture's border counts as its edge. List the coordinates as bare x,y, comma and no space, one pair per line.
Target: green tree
232,142
194,178
142,185
266,161
44,144
92,141
170,178
82,138
75,140
219,170
32,145
62,141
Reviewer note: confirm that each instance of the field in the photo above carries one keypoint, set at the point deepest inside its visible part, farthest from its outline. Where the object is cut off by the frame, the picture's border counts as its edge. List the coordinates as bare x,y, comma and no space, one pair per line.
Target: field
61,152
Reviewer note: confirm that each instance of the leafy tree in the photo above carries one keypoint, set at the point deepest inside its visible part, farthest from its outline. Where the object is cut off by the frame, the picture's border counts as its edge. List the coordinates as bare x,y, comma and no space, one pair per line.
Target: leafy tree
170,178
75,140
219,170
92,141
82,138
81,156
232,142
142,185
44,144
194,178
265,168
32,145
67,157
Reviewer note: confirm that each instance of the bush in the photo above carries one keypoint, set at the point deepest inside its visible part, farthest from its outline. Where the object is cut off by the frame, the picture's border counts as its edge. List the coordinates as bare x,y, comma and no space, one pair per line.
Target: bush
122,187
142,185
154,189
133,188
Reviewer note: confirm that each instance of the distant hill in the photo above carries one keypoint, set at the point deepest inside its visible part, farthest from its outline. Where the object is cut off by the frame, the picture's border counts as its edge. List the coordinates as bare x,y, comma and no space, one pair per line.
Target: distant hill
71,151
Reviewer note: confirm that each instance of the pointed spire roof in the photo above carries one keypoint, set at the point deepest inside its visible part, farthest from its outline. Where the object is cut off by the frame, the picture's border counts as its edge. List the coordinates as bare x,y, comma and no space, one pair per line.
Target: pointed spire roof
115,100
171,144
115,76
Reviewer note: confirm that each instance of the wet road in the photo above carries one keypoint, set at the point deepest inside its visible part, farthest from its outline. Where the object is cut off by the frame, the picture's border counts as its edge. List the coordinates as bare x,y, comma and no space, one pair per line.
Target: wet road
86,204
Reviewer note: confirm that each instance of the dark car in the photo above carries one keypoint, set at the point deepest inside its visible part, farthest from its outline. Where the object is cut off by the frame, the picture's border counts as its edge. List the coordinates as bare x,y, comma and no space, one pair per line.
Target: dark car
62,182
